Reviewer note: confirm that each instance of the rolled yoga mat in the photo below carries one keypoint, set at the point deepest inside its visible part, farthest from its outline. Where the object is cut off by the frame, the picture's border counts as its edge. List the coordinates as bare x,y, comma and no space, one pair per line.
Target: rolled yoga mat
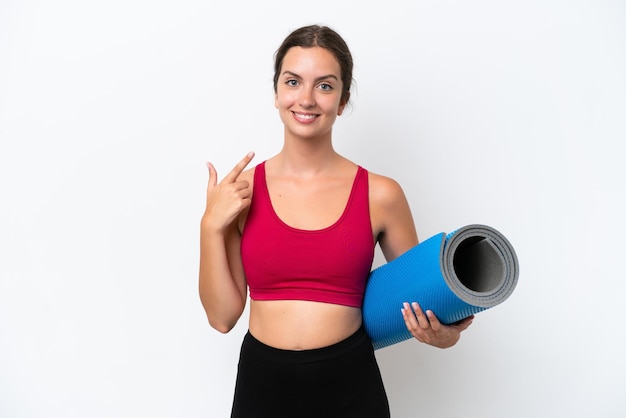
455,276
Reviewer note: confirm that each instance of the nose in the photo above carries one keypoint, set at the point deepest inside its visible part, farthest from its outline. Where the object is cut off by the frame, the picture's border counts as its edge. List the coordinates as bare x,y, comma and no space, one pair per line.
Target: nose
307,98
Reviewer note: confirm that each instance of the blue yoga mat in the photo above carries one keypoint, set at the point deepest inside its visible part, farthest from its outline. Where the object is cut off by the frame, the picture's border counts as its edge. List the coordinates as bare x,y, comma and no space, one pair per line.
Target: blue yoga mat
455,275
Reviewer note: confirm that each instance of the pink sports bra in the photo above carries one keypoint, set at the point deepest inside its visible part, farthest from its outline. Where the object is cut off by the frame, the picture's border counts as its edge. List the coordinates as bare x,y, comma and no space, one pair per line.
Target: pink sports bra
326,265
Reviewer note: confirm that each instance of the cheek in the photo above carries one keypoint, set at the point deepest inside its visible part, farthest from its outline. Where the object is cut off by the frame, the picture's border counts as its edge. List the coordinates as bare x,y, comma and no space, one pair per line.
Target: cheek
335,106
284,97
283,100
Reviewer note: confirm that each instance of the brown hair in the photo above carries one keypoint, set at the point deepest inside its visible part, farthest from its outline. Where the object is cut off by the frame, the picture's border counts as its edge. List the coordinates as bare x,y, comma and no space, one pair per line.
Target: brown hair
323,37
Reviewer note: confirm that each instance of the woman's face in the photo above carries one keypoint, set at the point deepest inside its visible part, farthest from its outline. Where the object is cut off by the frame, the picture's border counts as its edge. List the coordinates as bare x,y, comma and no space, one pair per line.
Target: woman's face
308,92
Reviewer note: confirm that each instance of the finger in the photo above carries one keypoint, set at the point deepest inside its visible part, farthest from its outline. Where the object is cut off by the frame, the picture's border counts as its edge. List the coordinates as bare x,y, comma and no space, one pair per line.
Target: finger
212,175
242,187
241,190
409,317
412,325
238,169
411,322
433,320
419,314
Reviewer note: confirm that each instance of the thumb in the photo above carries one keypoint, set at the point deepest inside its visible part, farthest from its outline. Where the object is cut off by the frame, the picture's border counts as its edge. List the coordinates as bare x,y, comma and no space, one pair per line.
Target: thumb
212,175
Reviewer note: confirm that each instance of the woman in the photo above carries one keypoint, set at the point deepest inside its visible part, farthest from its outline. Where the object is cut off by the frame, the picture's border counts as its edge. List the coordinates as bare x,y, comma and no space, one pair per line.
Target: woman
299,231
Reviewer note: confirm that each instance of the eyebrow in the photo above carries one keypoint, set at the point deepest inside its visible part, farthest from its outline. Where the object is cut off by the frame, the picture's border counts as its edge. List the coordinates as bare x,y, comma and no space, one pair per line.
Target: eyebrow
324,77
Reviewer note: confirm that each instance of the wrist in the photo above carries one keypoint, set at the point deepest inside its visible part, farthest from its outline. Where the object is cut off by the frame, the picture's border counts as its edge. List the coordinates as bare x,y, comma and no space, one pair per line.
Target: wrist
209,227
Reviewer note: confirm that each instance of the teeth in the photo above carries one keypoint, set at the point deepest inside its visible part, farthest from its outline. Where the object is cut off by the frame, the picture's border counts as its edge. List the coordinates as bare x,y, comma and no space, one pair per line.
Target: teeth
307,117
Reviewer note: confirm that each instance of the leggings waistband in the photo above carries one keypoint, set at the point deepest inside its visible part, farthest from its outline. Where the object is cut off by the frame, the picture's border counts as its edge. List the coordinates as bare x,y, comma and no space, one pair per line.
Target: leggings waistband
283,356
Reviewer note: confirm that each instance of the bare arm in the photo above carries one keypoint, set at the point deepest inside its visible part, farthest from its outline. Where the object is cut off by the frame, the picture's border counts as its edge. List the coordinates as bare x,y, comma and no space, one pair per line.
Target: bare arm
391,217
396,232
222,283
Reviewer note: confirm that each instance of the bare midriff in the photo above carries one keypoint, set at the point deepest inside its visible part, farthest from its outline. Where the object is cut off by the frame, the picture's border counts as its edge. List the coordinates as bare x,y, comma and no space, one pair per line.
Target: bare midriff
302,325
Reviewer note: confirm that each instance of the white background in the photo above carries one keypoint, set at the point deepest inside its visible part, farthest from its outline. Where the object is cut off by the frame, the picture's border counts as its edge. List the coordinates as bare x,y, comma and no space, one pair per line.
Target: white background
510,114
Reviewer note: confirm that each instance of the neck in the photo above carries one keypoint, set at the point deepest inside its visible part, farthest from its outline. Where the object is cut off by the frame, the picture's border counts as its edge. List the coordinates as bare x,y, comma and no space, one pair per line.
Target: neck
307,156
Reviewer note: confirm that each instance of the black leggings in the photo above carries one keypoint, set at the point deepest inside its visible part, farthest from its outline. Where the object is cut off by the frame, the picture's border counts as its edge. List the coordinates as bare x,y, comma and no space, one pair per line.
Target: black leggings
341,380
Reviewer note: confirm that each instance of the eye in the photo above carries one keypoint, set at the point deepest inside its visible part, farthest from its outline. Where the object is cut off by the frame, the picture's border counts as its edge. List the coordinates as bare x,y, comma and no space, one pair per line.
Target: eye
325,87
291,82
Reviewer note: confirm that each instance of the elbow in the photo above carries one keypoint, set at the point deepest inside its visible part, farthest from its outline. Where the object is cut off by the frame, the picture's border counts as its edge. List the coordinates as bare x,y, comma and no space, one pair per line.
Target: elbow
222,326
222,323
221,318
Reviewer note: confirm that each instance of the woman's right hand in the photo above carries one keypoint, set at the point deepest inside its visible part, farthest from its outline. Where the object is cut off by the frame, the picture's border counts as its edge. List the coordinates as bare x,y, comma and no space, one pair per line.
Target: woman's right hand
228,198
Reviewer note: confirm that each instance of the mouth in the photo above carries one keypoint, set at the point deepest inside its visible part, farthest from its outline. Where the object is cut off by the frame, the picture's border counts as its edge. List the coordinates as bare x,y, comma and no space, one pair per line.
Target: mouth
305,117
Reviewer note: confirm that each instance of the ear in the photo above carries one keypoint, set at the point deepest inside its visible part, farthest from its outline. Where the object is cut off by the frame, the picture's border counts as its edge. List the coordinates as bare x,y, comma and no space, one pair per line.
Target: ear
343,103
276,100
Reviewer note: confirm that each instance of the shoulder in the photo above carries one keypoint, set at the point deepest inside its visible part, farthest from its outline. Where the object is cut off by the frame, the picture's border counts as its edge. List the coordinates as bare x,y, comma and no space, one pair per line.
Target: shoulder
384,191
390,215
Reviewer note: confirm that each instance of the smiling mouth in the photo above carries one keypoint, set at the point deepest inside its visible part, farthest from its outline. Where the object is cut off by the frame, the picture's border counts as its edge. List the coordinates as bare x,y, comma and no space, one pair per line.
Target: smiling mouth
305,118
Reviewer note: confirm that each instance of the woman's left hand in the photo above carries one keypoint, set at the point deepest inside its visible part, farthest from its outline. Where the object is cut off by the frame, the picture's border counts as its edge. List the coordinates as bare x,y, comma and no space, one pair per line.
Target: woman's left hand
426,328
